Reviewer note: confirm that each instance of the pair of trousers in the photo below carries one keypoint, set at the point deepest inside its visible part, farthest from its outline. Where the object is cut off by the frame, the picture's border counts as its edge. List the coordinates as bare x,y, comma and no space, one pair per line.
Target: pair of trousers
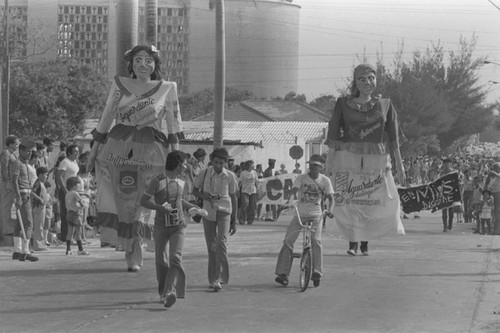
273,210
216,237
485,226
7,200
134,257
63,214
26,217
170,272
38,226
74,231
21,245
467,202
248,206
285,258
447,216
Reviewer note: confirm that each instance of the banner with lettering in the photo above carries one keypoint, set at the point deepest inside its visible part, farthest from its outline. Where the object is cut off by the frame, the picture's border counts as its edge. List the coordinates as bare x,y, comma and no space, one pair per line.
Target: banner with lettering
442,193
365,188
276,190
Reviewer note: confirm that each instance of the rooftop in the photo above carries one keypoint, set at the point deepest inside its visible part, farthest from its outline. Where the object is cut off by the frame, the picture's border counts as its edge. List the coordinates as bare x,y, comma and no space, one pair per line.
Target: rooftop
252,132
269,111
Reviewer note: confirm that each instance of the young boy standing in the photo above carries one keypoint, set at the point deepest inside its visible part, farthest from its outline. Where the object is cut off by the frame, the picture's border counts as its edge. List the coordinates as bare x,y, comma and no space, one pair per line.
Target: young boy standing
40,199
485,213
74,206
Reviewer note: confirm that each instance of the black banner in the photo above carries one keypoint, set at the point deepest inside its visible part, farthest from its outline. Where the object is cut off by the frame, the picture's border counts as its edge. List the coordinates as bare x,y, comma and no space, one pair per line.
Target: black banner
442,193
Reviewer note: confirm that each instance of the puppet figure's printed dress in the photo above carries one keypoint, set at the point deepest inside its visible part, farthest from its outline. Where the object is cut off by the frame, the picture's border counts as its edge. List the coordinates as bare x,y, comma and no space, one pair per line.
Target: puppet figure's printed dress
361,138
133,152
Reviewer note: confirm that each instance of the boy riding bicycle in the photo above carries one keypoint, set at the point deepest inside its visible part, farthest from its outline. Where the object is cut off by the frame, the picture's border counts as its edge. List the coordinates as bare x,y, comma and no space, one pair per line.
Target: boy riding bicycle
311,188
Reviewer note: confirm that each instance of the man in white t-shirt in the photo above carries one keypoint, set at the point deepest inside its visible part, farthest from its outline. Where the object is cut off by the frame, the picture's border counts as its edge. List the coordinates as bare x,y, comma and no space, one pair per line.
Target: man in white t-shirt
312,188
66,169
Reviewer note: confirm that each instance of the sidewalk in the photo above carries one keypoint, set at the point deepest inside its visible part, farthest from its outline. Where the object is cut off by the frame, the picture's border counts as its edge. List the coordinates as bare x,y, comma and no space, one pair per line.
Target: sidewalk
427,281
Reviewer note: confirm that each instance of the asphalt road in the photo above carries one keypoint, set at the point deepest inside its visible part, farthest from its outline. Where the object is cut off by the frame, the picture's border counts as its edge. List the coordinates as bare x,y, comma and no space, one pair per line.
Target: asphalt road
426,281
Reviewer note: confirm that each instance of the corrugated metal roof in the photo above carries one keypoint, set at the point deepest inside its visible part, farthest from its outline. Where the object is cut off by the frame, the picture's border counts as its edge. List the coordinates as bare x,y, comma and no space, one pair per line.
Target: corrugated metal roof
287,110
269,111
255,132
244,131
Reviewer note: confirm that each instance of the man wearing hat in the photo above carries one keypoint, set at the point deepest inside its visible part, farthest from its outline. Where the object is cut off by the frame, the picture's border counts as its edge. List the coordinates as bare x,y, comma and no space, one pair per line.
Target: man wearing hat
312,189
270,209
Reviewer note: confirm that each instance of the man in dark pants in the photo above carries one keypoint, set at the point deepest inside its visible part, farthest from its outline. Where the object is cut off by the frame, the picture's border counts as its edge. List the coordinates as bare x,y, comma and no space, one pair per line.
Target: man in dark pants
447,213
22,191
66,169
270,208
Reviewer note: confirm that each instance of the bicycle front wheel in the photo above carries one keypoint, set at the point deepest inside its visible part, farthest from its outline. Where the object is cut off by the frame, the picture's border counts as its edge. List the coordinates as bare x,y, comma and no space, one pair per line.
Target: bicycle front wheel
305,269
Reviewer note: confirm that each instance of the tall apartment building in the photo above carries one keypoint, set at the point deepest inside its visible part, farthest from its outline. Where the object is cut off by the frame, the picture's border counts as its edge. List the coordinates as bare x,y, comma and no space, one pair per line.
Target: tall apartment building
261,39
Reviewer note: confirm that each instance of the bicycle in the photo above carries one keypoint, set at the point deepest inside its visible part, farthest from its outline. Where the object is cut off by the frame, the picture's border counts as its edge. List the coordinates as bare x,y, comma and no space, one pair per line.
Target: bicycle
306,259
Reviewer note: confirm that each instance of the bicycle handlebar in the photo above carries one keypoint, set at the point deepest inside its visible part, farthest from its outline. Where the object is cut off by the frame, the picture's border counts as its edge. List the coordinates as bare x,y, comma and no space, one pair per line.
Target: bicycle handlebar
294,206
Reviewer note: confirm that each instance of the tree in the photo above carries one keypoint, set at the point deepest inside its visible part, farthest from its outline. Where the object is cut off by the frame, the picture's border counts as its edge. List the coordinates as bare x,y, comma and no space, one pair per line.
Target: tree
53,98
436,103
17,33
293,96
325,103
202,102
467,100
39,41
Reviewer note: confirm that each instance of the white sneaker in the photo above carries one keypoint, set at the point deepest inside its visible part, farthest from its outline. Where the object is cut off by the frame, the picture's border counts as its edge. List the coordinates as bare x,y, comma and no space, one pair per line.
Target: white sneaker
217,286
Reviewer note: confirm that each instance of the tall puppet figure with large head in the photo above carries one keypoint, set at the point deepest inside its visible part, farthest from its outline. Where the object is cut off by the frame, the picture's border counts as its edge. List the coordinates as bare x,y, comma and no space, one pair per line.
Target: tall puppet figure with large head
140,125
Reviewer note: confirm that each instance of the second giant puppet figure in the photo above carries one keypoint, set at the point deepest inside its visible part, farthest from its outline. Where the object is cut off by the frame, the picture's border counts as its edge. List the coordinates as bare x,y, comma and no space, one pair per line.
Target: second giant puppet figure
140,125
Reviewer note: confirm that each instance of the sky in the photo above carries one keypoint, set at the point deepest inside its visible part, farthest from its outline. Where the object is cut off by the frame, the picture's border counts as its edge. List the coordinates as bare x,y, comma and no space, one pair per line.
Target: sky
335,34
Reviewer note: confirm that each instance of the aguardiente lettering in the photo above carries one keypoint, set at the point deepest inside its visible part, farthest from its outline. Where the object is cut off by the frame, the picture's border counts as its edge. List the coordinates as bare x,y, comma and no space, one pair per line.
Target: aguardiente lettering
364,188
136,108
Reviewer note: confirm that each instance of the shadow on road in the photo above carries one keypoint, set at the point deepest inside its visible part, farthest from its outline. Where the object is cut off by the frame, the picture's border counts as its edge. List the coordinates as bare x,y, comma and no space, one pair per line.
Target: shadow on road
118,306
45,272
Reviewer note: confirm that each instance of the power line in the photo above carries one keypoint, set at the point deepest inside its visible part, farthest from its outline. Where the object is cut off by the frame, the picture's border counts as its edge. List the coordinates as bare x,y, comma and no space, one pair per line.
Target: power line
336,31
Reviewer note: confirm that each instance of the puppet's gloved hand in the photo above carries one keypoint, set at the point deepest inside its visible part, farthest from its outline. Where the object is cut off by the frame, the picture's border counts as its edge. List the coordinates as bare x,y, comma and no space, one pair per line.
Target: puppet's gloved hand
198,211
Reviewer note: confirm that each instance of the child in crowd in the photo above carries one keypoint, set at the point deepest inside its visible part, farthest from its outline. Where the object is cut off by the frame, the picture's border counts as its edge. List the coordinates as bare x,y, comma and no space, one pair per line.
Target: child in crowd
39,197
85,189
485,213
49,215
75,207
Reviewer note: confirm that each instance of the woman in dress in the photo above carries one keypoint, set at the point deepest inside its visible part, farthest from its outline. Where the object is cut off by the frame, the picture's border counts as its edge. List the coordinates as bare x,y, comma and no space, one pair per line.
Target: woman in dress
363,133
147,126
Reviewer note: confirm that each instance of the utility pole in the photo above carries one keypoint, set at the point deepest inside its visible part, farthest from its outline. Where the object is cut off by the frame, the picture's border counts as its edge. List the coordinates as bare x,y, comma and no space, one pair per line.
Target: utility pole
220,73
4,104
151,22
127,22
5,76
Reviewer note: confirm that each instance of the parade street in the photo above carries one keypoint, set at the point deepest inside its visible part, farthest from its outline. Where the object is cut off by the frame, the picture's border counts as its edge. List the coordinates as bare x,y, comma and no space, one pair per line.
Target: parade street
426,281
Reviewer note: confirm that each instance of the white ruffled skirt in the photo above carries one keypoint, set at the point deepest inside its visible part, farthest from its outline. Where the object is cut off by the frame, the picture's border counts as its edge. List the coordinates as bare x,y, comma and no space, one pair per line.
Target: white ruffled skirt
367,203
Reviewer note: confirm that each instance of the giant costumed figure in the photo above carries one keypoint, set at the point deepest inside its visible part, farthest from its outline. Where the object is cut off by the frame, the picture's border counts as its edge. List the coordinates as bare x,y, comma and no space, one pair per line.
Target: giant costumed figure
140,125
363,134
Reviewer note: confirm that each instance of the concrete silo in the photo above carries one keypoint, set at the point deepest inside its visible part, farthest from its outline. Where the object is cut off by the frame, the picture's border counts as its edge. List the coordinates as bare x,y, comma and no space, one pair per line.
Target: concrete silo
262,43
